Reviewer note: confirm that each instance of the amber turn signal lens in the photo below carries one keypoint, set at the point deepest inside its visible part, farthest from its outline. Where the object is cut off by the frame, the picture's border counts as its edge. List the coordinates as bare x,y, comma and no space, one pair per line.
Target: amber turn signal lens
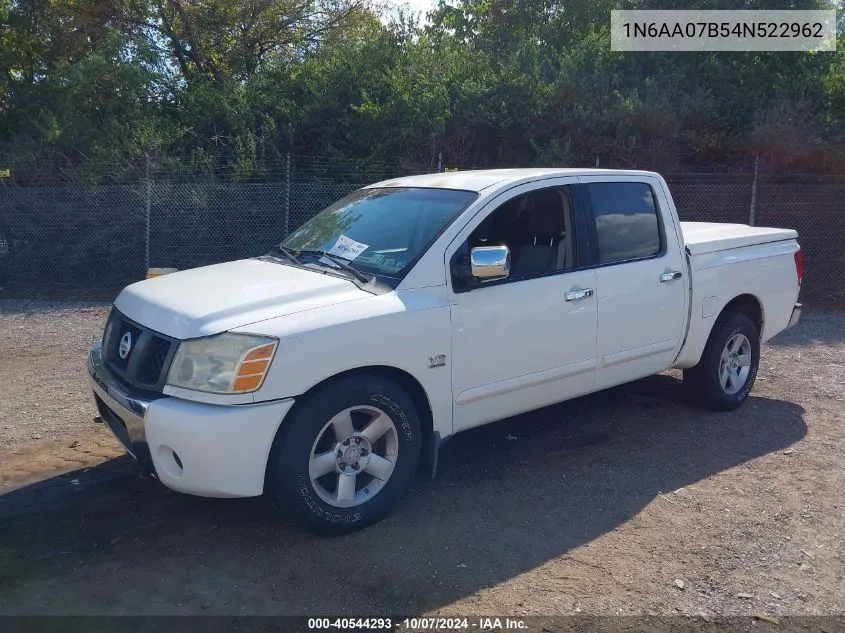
254,367
260,353
248,383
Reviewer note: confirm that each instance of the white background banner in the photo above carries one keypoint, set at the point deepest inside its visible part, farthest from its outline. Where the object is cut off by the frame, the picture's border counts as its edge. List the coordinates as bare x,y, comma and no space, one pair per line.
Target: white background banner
723,30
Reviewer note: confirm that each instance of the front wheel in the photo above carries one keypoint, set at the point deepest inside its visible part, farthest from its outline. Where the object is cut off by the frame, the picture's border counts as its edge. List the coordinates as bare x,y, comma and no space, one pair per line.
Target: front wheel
345,456
728,367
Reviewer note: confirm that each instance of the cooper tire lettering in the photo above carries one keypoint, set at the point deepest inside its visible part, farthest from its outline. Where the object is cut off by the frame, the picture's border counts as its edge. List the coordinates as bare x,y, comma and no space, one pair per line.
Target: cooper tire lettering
396,409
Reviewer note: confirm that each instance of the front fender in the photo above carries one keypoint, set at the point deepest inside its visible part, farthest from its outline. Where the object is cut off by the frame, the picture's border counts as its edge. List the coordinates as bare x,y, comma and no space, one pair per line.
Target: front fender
407,330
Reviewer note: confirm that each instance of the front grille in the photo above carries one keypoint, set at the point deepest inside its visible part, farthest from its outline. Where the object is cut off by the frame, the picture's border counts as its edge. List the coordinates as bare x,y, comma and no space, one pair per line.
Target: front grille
149,353
134,332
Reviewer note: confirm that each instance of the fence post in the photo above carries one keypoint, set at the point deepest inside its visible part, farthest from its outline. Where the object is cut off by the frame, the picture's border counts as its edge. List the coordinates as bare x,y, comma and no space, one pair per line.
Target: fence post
752,214
287,195
147,204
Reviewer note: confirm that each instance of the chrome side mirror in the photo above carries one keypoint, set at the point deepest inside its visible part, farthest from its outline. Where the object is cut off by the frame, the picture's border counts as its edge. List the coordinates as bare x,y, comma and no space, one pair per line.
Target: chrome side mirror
490,263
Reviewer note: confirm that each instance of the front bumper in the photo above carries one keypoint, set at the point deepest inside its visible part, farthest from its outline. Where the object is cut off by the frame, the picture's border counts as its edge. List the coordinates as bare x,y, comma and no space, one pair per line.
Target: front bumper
796,315
192,447
124,414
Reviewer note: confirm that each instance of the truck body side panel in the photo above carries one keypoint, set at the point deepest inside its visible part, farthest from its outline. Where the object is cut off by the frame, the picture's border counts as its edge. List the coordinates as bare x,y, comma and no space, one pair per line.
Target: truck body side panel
765,271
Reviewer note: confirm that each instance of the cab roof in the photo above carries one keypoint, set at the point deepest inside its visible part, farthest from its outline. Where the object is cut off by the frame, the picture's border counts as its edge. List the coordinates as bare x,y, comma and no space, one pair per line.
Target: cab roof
480,179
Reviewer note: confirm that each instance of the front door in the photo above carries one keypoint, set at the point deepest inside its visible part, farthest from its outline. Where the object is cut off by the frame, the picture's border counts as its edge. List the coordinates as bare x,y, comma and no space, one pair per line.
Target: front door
529,340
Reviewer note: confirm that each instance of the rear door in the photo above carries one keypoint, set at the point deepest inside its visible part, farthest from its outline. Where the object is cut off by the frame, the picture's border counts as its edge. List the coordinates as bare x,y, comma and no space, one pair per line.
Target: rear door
640,277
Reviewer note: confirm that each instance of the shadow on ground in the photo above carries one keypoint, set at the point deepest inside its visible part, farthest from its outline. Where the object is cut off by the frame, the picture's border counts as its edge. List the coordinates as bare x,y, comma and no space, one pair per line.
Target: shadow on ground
103,541
818,326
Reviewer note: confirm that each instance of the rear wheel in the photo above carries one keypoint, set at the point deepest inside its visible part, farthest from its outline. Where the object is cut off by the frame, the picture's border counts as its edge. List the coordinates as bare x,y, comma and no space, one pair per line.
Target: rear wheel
346,455
728,367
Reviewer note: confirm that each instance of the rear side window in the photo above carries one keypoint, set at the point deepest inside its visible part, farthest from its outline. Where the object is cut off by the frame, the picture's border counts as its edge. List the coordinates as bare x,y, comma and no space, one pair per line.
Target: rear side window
626,220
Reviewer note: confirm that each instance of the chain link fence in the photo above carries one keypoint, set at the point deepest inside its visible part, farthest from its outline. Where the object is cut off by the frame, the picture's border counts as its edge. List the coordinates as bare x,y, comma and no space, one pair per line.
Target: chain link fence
812,205
83,237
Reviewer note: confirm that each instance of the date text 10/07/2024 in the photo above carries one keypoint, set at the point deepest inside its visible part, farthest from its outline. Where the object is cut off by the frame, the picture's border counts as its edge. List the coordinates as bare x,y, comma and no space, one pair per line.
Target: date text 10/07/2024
417,624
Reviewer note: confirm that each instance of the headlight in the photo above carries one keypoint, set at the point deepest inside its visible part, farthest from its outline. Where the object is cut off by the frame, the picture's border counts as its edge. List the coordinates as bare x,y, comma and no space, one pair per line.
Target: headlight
226,363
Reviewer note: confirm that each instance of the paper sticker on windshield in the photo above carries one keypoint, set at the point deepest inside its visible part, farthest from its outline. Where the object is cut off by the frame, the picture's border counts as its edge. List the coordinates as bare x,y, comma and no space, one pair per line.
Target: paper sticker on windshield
347,248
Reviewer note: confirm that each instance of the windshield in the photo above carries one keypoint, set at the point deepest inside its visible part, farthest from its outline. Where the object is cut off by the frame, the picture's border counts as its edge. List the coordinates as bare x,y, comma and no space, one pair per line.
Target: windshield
381,231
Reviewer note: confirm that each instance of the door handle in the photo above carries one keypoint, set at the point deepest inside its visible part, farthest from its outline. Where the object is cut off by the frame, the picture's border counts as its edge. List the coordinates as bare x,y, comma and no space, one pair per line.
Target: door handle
575,295
675,274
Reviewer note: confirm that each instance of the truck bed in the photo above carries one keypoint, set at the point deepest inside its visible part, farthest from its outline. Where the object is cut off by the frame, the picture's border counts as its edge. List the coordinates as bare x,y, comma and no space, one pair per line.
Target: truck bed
711,237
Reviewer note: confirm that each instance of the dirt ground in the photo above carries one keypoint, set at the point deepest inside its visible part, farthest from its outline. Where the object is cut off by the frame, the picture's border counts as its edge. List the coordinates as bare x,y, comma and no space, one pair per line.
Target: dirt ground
625,502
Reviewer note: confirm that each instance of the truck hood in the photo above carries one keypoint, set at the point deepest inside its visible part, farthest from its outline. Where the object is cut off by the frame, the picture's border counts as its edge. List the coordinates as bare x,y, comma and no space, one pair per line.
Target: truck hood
213,299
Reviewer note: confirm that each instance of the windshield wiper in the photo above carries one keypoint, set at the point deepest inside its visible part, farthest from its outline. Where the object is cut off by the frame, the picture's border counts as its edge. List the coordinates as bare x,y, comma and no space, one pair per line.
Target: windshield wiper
284,252
340,263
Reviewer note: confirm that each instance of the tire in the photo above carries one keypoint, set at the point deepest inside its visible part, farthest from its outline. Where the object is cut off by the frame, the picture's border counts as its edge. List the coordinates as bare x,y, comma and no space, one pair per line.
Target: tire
321,468
706,382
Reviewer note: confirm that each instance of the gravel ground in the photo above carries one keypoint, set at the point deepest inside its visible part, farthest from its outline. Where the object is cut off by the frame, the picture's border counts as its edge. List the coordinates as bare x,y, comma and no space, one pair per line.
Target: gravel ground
624,502
43,347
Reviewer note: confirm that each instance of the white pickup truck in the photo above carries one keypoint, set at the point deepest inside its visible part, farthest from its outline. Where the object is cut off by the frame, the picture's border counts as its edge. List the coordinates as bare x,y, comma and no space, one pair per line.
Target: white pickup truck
325,373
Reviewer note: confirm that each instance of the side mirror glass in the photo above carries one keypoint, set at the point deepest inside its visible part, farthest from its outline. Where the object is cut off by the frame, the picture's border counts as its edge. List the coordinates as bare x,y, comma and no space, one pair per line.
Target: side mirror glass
489,263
